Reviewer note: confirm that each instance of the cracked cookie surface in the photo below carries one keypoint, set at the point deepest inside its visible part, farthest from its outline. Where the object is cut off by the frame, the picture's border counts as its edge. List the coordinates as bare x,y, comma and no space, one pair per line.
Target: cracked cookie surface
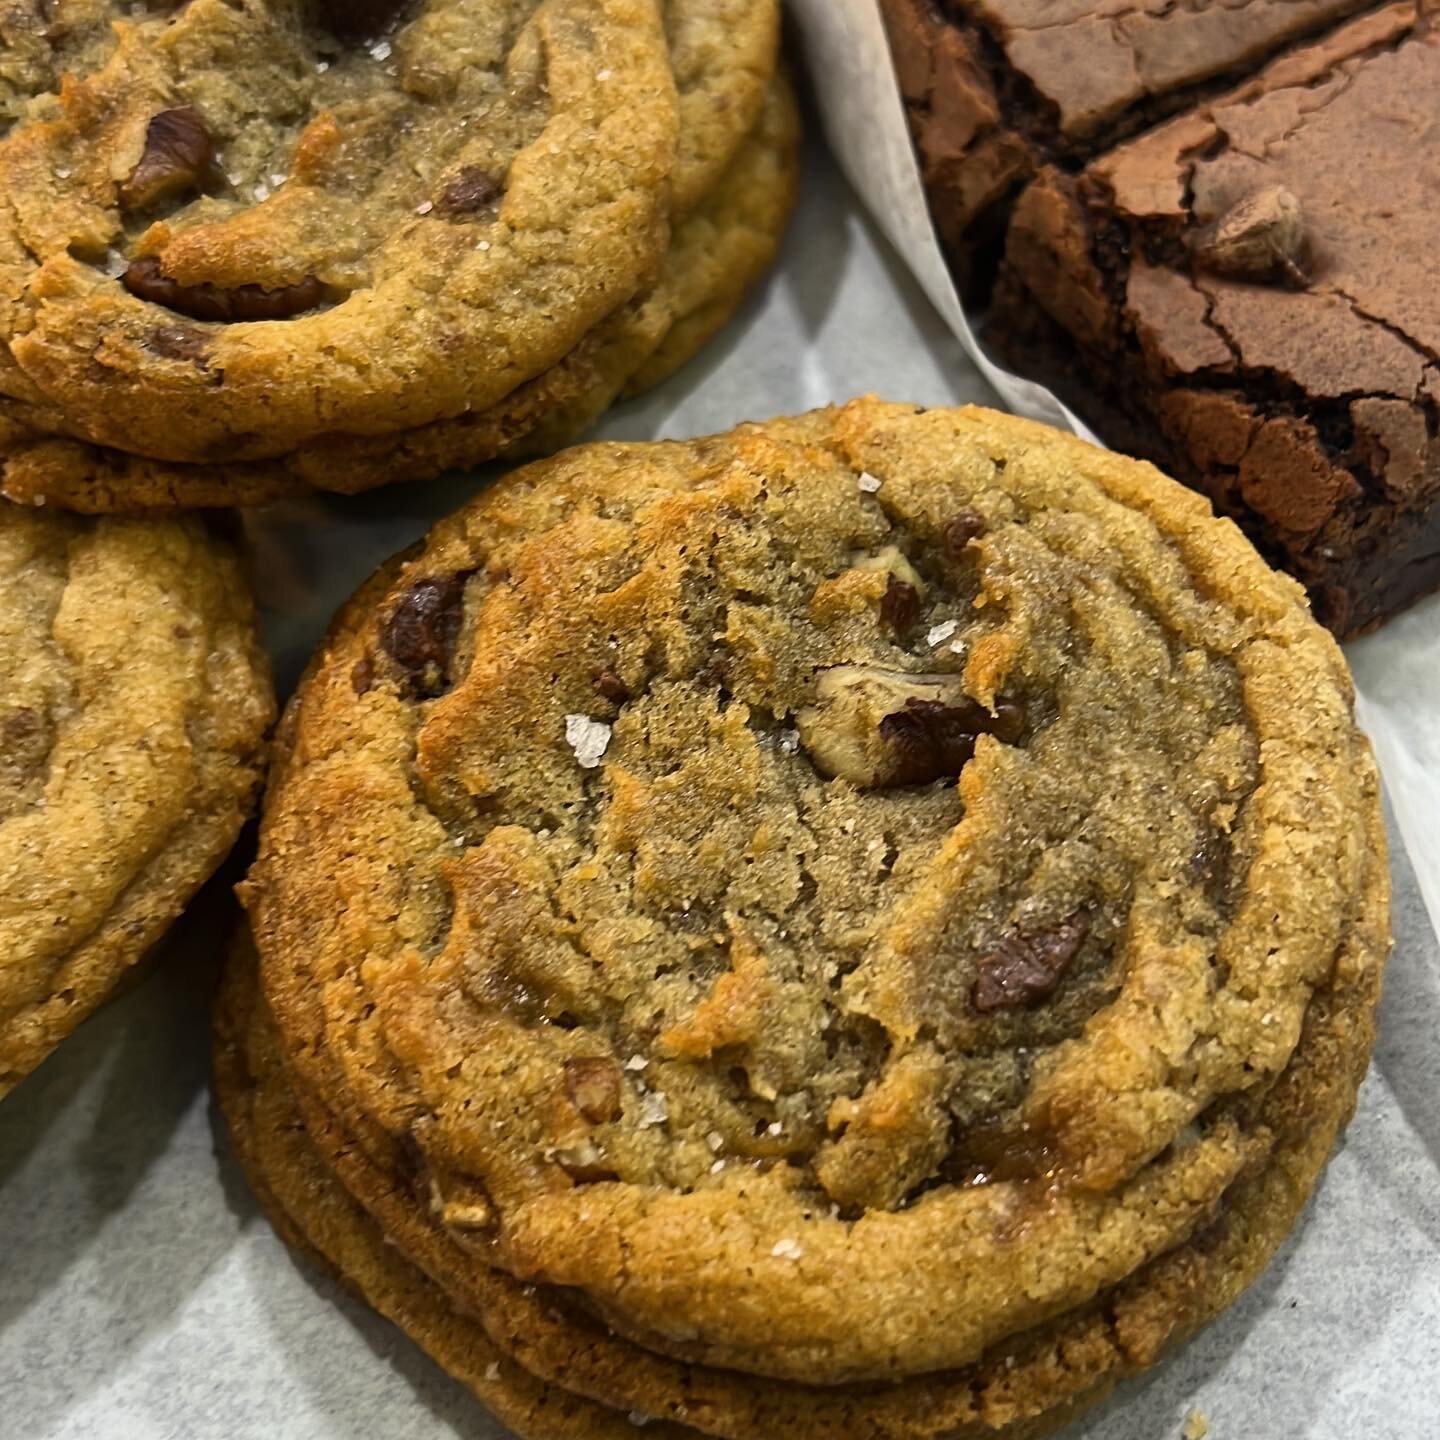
1219,282
778,889
134,700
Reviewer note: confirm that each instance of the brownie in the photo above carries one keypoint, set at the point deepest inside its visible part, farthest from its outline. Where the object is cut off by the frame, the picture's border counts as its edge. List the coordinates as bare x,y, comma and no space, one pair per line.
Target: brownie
997,89
1245,293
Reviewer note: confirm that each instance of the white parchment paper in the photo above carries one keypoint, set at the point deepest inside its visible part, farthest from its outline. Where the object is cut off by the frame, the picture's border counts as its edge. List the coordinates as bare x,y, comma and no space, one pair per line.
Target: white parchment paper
144,1297
859,97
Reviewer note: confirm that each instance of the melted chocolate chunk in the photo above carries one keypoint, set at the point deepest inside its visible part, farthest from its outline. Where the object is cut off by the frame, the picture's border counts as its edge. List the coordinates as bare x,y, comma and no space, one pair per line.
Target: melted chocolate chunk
145,280
930,739
593,1086
421,632
1023,970
900,605
609,685
176,158
958,531
352,20
471,190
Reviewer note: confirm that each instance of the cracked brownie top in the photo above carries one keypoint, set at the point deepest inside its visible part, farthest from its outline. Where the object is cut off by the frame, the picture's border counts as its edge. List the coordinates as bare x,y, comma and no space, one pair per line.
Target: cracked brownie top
1248,277
995,89
861,866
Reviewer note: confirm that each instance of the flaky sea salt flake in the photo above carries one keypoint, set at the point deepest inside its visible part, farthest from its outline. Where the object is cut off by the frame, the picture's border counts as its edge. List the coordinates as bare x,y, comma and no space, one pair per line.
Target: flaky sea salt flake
939,634
653,1109
588,738
786,1249
868,483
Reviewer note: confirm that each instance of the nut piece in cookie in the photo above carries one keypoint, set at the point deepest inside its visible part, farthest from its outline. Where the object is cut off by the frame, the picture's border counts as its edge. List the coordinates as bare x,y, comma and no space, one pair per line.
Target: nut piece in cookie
176,158
877,727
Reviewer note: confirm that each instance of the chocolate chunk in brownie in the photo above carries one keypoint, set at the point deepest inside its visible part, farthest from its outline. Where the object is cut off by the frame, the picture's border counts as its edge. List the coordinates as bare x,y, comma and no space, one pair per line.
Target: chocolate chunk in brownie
1295,382
997,89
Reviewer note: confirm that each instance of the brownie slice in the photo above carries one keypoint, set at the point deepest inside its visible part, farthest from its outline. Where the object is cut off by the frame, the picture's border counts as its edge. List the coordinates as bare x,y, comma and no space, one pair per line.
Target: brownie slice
1247,294
997,89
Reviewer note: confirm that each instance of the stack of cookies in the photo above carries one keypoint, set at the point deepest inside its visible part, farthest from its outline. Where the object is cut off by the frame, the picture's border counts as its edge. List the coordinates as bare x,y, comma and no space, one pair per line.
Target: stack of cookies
868,925
1210,225
253,246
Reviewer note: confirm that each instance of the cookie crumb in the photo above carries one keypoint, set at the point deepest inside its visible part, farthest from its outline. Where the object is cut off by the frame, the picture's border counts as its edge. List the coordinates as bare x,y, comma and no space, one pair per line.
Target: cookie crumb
868,482
786,1249
939,634
1197,1427
588,738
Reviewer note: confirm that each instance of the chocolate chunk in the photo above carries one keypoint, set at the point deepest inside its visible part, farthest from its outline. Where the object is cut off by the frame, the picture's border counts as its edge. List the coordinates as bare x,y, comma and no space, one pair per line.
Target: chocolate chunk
176,158
205,301
593,1086
962,527
362,675
179,342
900,605
352,20
1262,237
929,739
1023,969
421,632
877,727
609,685
471,190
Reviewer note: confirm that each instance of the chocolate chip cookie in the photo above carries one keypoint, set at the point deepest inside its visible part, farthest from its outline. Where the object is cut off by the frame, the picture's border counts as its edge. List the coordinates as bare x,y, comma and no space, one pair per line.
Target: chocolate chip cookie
728,187
718,251
881,910
134,700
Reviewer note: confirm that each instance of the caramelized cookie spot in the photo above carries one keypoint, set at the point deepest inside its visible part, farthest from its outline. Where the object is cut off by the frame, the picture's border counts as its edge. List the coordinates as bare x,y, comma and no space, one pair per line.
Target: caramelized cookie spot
421,632
471,190
146,281
176,158
1024,969
900,605
362,675
593,1086
962,527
